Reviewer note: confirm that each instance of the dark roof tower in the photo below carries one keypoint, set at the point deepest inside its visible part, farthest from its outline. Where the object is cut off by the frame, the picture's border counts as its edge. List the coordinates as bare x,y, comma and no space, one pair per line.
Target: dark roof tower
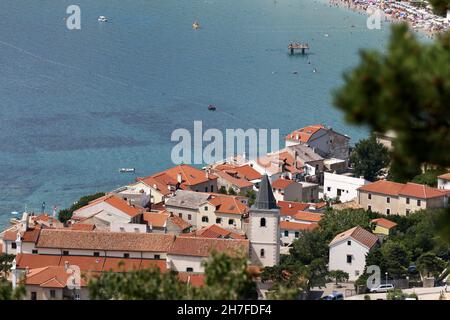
265,199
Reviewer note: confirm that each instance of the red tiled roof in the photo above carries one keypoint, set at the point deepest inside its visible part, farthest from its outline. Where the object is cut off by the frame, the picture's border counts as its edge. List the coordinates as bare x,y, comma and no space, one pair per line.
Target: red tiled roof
445,176
33,261
202,247
194,279
410,189
160,181
282,183
82,226
240,183
213,231
308,216
359,234
416,190
385,223
87,263
103,240
383,187
190,177
289,208
157,220
179,222
305,133
228,204
50,277
30,235
114,201
247,172
297,226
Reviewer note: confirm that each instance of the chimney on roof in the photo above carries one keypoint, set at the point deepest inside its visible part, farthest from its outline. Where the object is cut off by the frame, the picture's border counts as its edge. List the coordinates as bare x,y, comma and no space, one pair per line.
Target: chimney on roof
66,265
290,205
25,219
312,207
207,173
129,202
179,178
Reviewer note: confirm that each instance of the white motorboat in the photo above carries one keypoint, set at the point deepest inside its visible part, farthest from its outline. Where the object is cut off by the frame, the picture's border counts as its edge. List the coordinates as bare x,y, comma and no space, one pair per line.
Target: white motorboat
102,19
127,170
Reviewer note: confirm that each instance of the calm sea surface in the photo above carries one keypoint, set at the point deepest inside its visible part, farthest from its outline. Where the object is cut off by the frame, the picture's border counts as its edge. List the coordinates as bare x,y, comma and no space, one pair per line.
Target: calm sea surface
78,105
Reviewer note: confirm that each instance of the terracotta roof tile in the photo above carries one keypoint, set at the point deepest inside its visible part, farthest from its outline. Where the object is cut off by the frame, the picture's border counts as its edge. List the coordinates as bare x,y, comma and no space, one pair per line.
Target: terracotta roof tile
297,226
445,176
385,223
359,234
103,240
214,231
289,208
282,183
228,204
82,226
49,277
114,201
383,187
410,189
32,261
194,279
202,247
308,216
421,191
305,133
157,220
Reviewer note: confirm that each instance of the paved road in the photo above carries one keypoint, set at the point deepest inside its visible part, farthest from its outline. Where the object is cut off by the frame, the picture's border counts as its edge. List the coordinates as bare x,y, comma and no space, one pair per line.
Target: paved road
422,293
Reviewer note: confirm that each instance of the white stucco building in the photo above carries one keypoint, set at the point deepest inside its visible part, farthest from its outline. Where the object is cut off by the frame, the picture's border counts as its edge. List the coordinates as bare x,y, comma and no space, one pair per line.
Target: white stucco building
444,180
348,251
341,186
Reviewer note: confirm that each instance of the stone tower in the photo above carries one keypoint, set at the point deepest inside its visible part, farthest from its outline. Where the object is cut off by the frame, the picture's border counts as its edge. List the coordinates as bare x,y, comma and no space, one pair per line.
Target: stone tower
264,228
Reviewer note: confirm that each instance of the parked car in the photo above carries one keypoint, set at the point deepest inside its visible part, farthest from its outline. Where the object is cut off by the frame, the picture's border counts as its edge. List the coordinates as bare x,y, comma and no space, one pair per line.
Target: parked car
382,288
334,296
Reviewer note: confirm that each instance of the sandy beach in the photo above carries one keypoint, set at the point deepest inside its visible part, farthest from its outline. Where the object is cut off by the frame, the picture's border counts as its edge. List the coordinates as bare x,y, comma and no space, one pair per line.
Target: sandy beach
395,16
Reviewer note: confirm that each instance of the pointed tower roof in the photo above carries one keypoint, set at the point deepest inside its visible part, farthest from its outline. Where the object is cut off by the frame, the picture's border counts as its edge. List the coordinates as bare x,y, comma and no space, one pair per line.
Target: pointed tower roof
265,198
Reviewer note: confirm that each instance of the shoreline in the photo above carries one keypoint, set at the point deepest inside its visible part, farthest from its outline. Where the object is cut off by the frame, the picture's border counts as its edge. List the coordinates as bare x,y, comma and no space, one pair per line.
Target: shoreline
362,8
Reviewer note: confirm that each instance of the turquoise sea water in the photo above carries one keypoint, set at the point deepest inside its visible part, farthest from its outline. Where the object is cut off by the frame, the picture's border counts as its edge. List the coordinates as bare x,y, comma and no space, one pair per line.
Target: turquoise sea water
78,105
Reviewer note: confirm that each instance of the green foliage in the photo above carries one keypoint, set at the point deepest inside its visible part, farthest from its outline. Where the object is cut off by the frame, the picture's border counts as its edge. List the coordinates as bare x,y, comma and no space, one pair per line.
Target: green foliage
231,191
280,292
369,158
405,90
338,276
430,265
366,297
396,294
337,221
440,6
226,278
223,190
147,284
7,292
429,177
66,214
396,258
5,263
251,195
309,246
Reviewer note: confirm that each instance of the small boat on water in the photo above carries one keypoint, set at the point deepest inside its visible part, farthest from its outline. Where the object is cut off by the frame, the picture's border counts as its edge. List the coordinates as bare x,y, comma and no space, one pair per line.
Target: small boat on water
196,25
212,107
102,19
127,170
